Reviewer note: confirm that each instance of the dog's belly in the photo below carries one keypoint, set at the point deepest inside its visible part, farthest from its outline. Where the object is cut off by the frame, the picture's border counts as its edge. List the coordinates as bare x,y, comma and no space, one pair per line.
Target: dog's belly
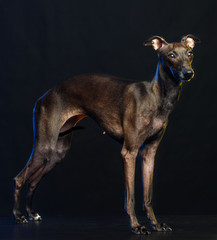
112,127
109,124
115,131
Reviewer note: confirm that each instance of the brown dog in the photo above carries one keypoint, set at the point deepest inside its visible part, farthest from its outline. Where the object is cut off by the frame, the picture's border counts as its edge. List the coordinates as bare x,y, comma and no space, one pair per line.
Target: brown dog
134,113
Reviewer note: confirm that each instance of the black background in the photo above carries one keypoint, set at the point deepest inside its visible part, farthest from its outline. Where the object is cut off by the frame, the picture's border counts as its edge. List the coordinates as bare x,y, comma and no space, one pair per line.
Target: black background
45,42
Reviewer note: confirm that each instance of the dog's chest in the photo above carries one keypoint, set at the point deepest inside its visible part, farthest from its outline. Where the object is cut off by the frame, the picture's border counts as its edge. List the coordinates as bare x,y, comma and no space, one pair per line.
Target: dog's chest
157,124
151,125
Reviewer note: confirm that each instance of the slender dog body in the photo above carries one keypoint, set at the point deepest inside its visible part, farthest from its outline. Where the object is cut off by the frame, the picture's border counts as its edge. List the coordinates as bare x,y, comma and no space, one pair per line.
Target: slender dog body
134,113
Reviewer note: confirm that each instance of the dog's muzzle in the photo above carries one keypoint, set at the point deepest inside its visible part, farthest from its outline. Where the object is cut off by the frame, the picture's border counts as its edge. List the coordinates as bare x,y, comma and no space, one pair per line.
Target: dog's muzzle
187,75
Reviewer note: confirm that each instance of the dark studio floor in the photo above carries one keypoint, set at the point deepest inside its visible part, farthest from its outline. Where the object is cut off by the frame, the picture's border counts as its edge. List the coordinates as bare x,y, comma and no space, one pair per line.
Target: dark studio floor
184,228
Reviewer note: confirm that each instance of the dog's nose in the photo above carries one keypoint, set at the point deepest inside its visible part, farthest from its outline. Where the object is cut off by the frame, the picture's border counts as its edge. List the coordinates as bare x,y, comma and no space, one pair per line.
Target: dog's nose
188,74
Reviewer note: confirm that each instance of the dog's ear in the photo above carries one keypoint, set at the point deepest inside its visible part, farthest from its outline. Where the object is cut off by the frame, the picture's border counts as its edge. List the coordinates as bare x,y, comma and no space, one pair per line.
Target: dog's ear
190,40
156,42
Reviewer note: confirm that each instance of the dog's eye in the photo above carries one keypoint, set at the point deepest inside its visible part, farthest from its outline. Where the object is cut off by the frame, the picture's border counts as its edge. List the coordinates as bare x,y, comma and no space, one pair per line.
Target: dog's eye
190,54
171,56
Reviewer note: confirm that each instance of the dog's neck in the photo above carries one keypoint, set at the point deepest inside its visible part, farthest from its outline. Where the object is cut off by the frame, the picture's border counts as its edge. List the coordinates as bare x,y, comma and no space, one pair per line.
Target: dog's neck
167,86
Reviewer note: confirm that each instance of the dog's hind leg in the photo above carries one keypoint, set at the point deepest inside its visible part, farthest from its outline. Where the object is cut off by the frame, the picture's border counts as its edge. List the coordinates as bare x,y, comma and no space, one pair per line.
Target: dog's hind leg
45,139
49,124
35,164
62,147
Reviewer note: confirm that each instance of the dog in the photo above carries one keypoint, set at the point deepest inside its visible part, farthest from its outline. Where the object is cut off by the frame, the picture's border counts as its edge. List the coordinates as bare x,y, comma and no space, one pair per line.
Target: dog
134,113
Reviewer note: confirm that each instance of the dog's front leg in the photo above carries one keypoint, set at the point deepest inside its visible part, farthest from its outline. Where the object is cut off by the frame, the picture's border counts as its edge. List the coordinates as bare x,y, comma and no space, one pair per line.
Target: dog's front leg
129,158
147,155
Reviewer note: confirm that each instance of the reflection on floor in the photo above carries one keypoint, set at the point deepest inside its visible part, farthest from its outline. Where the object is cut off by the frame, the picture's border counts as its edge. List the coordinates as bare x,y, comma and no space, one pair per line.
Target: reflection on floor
184,228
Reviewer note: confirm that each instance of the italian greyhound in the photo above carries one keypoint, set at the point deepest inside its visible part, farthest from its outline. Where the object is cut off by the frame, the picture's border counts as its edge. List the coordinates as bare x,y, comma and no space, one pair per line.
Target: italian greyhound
134,113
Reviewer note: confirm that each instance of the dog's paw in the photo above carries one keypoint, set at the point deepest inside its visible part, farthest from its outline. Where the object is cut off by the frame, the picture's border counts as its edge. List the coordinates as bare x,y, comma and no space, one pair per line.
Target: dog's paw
163,227
21,219
35,217
140,230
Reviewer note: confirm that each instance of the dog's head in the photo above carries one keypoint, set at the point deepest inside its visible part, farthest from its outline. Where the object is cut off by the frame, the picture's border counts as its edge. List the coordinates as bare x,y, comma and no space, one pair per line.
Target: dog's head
177,57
